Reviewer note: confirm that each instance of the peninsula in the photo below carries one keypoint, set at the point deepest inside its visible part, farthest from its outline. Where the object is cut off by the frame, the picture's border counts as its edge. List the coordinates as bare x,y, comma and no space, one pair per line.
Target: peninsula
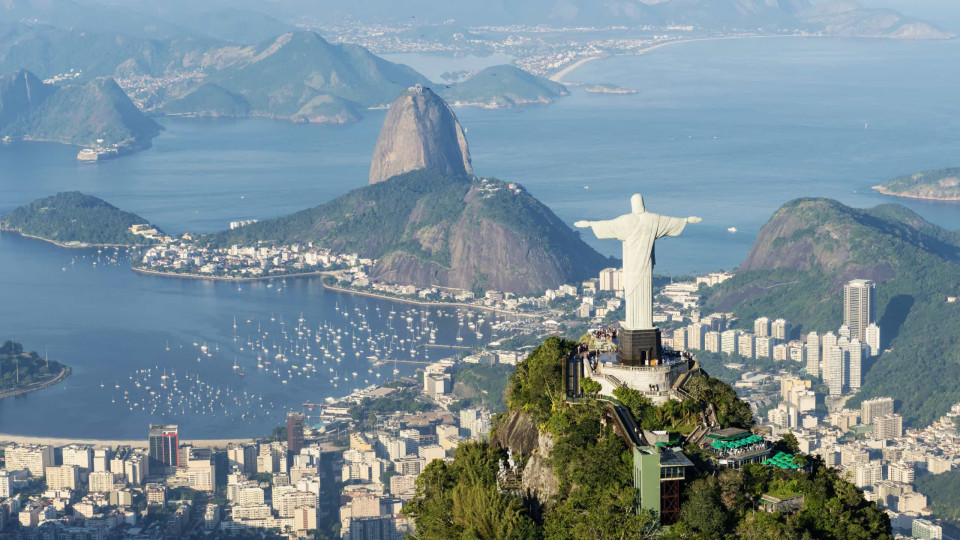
935,185
22,372
73,219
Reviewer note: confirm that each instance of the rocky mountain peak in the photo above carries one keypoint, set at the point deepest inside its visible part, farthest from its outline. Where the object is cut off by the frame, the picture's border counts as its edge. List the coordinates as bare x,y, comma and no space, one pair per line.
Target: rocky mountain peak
420,132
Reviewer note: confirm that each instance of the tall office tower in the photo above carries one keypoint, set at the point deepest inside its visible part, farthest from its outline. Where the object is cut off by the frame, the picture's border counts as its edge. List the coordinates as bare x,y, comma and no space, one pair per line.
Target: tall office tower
873,340
858,300
855,360
761,327
781,330
833,364
874,408
164,443
294,432
813,354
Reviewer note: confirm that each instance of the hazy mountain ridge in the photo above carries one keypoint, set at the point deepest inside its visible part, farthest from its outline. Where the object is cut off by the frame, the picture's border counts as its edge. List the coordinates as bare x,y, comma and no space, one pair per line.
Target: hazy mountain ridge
429,229
810,247
499,87
76,114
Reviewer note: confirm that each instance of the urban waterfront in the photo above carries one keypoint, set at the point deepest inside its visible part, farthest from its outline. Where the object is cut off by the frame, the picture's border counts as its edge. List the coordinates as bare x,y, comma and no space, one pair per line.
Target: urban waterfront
750,130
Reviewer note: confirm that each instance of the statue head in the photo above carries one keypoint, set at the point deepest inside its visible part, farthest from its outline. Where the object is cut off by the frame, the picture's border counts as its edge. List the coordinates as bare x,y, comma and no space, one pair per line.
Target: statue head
636,204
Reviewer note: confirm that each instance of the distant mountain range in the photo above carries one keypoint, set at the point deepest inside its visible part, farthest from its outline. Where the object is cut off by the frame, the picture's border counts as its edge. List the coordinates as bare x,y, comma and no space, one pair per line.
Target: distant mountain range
810,247
77,114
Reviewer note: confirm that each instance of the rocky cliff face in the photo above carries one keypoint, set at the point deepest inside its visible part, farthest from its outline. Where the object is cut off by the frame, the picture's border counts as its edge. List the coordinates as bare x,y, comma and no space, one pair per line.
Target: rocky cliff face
420,132
518,433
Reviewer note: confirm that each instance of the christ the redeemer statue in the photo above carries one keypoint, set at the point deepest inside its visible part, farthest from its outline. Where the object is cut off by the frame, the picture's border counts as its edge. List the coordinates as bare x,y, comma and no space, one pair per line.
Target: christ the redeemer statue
638,231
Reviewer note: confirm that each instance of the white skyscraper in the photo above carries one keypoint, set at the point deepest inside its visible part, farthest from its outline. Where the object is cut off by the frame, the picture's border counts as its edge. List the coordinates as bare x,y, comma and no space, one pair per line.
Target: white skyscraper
873,340
761,327
813,354
855,360
858,301
781,329
728,341
833,364
828,340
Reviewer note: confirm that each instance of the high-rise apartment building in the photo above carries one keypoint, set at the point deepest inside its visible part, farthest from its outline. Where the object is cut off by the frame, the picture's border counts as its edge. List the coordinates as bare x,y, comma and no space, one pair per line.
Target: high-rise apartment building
833,364
813,354
873,340
294,432
781,329
63,477
761,327
874,408
728,341
164,443
858,306
889,426
854,355
78,455
32,457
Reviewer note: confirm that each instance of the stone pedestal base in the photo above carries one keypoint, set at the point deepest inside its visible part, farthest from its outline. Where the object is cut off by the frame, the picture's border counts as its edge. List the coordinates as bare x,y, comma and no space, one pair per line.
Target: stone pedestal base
639,347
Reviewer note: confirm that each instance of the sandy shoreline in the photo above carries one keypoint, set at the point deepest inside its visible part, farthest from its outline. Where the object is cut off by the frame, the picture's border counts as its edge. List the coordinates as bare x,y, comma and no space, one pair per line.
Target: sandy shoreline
885,191
558,76
138,443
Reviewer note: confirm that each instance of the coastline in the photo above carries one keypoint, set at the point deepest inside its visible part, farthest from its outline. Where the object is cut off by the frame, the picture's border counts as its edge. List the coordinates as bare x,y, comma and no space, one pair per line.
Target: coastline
229,278
419,303
38,386
884,191
558,76
78,245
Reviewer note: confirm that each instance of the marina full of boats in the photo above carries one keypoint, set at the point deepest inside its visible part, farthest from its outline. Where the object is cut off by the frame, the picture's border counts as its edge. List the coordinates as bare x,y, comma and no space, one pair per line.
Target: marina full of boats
361,346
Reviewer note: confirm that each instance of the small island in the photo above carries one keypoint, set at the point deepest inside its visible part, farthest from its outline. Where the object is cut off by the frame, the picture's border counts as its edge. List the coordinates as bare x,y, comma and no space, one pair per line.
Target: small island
73,219
501,87
935,185
22,372
609,89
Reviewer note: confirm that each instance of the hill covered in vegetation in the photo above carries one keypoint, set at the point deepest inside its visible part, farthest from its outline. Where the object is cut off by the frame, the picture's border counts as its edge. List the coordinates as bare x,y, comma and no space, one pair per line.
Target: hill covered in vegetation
938,185
499,87
76,114
428,229
810,247
577,475
75,219
19,369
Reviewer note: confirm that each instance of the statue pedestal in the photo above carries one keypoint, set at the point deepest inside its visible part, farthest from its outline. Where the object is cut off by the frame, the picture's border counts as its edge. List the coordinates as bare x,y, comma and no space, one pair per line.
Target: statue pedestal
639,347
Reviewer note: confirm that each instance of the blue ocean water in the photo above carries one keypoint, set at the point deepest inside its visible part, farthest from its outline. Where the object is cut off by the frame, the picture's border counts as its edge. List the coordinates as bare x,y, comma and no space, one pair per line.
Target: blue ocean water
727,130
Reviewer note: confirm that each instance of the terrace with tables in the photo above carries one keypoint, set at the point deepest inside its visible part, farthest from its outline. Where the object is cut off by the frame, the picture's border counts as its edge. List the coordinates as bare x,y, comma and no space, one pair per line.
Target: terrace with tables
733,447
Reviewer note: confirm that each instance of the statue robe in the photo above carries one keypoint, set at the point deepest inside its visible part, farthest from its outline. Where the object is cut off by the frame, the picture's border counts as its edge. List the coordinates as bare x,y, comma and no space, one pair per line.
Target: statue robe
638,232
